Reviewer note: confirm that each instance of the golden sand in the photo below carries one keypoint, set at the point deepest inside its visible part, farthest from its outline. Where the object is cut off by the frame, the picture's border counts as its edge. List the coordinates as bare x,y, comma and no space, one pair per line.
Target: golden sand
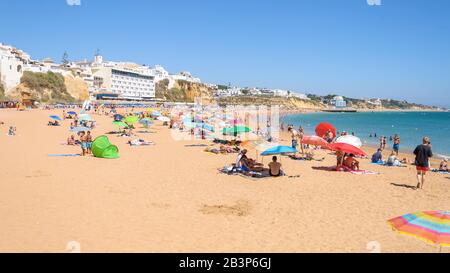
171,198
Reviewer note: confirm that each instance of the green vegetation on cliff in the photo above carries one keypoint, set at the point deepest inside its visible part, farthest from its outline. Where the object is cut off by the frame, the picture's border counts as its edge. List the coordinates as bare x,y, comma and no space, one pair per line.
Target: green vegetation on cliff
46,87
291,103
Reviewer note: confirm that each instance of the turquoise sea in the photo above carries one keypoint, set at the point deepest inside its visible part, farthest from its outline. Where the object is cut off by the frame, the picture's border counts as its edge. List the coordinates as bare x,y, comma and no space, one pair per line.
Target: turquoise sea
411,126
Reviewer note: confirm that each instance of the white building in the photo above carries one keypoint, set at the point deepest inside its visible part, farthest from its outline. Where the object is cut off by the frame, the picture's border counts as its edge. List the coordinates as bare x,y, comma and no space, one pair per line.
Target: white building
12,62
124,83
300,96
375,102
160,73
339,102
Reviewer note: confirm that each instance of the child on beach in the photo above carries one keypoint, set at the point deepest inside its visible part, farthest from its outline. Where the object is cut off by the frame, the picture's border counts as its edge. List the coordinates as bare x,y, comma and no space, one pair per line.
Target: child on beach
443,167
12,131
89,142
83,140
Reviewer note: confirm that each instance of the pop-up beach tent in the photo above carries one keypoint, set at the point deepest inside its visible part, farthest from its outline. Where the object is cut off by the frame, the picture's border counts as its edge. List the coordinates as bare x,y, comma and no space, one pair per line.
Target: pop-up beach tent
102,148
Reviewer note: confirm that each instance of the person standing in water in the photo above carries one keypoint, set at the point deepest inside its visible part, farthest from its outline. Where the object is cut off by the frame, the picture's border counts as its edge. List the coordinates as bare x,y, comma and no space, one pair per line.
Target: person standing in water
423,153
396,146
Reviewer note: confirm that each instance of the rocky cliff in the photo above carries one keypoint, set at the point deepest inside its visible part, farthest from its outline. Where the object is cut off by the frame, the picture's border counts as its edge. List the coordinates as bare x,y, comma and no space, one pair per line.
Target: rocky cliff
50,88
184,91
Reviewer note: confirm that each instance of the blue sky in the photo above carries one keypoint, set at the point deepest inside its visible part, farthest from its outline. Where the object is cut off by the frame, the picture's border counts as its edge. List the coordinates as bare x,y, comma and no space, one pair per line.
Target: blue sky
400,49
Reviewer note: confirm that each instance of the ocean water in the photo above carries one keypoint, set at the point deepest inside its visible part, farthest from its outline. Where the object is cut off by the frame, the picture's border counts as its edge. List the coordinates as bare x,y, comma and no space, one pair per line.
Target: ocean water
411,126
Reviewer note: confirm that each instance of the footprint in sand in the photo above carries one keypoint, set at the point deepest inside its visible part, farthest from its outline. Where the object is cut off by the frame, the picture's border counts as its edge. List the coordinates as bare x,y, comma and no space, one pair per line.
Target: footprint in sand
37,174
241,209
160,206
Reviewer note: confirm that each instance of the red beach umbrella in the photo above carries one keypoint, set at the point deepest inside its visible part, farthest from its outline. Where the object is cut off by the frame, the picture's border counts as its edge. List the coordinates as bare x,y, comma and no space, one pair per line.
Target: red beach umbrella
315,141
346,148
323,128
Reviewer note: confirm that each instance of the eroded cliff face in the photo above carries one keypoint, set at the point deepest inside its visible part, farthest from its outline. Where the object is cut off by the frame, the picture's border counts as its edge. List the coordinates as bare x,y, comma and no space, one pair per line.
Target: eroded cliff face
77,88
291,103
50,88
184,91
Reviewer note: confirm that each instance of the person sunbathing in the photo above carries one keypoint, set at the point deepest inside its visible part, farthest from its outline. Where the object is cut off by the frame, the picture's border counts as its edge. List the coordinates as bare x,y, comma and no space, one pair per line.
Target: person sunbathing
443,167
226,150
377,157
247,164
351,162
12,131
275,167
71,140
139,142
53,123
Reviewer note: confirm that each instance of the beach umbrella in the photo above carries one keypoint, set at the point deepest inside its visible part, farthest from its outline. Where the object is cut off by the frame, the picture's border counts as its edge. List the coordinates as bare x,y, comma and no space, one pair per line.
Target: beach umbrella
349,139
205,126
163,119
235,130
80,129
323,128
55,118
85,117
279,150
72,113
146,121
314,140
430,226
346,148
120,124
131,119
156,114
118,117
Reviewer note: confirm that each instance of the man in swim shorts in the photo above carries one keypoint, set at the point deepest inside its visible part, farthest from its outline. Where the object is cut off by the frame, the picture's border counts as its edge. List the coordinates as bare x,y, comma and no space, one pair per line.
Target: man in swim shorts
423,153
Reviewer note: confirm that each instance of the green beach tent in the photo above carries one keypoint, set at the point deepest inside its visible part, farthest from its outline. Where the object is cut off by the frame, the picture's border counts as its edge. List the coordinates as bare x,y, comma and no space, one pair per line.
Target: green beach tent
120,124
235,130
102,148
131,120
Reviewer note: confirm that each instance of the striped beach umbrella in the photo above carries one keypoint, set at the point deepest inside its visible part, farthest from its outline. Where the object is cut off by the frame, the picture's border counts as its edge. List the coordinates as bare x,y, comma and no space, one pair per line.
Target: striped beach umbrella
315,141
430,226
55,118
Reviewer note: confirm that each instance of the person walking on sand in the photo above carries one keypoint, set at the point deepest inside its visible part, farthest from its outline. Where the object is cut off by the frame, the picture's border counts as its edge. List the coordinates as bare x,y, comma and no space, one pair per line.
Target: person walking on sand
423,153
396,146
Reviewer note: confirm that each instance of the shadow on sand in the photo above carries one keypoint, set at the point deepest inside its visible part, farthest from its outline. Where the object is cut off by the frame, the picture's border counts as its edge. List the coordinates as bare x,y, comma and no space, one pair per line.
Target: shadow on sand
404,186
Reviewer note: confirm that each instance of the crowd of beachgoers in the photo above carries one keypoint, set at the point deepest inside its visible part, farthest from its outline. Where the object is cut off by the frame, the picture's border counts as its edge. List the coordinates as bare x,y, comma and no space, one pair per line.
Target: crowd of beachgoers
236,132
247,145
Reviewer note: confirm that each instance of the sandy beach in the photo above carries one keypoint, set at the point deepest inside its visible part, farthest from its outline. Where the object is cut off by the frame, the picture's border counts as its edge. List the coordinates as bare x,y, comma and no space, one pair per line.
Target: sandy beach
170,197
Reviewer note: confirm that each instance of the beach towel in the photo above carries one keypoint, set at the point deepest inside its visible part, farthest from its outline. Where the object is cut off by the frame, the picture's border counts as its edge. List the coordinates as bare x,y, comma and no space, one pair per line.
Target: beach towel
386,165
306,159
196,145
344,169
440,172
63,155
347,169
231,170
